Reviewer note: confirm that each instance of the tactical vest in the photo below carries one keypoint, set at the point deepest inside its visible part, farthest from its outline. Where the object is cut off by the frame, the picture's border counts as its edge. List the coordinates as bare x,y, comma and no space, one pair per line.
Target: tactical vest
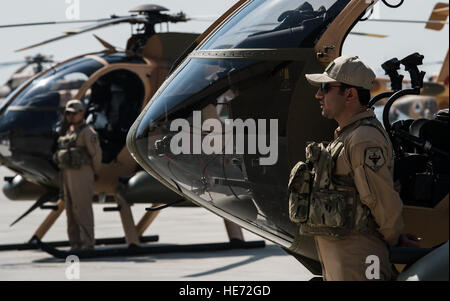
322,203
69,155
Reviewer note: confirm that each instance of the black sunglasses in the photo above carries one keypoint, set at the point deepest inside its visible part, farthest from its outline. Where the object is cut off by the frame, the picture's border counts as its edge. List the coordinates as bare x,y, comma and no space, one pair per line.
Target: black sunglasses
326,87
70,113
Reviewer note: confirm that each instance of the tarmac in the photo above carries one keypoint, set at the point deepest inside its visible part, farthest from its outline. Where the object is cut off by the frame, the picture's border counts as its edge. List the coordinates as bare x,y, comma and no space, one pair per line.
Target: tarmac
174,225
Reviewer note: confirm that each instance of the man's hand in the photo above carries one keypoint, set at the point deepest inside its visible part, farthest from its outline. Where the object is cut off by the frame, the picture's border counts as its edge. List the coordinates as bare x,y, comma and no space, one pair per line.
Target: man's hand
409,240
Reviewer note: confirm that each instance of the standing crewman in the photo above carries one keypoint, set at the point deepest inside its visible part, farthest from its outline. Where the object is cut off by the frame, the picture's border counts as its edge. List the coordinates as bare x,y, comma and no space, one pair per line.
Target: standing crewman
79,157
344,195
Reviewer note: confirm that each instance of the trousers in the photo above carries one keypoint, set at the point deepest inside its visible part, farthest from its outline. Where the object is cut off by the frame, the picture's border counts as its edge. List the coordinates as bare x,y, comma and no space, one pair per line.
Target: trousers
78,194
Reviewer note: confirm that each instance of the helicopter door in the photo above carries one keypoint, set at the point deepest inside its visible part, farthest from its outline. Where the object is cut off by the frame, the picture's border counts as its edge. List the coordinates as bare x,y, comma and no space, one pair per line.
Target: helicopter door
113,103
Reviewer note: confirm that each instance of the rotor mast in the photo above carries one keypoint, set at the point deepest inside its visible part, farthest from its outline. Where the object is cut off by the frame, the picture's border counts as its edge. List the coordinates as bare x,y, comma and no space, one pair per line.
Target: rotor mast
153,15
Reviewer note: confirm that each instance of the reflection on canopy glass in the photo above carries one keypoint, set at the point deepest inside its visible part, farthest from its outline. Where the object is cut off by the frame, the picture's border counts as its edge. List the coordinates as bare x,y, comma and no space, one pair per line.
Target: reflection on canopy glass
276,24
221,90
62,82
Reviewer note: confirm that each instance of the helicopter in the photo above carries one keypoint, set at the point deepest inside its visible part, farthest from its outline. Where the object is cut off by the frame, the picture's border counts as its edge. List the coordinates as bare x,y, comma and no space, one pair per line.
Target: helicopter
114,87
247,70
31,66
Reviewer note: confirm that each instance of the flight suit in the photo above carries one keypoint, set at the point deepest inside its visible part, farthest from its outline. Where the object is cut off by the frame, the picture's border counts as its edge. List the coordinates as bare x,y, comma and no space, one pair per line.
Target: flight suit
367,157
79,190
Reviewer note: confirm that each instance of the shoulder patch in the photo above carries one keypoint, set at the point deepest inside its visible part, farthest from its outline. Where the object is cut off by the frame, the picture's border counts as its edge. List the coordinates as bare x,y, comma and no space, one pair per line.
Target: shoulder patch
94,139
374,158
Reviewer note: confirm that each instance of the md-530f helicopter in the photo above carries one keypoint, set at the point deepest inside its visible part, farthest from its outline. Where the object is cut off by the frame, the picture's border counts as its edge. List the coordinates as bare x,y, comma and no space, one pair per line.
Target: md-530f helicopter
114,86
234,117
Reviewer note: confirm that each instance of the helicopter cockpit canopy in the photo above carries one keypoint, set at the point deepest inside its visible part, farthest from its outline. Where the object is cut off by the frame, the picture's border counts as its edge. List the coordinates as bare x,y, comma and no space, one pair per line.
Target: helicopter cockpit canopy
47,95
33,114
276,24
216,131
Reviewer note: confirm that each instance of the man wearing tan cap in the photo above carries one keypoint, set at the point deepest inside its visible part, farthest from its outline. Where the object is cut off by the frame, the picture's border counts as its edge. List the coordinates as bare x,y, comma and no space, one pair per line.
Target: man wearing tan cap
359,211
79,157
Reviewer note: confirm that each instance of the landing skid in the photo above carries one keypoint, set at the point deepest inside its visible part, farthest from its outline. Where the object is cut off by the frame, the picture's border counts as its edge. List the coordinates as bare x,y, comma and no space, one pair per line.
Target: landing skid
133,237
33,244
134,250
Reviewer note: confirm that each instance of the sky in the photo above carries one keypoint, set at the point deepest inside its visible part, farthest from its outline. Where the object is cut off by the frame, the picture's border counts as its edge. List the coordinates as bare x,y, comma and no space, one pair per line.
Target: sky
403,38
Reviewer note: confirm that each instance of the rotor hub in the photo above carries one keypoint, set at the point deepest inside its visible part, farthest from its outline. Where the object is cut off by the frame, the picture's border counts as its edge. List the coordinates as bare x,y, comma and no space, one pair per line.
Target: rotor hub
148,9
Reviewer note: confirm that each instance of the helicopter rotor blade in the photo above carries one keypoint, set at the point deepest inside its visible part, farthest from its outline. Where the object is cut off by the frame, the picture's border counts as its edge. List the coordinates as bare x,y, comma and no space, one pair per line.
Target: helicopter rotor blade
132,19
69,33
372,35
6,64
439,13
52,23
409,21
29,60
203,18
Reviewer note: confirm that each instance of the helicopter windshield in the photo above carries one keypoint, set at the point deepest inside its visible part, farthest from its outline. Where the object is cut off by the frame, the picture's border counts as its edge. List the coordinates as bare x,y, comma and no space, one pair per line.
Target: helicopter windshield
32,115
223,176
46,96
276,24
218,179
57,86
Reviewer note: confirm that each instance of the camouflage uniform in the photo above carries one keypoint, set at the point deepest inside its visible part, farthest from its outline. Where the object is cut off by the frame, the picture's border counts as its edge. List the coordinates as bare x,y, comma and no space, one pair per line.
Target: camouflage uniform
79,156
367,157
350,204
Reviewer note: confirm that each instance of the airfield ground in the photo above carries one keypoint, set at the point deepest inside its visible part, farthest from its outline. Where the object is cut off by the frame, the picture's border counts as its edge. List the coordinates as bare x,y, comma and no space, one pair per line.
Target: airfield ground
173,225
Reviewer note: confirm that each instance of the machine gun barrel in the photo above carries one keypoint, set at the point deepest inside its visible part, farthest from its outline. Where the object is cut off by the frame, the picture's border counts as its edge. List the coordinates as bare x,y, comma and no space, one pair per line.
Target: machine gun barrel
426,145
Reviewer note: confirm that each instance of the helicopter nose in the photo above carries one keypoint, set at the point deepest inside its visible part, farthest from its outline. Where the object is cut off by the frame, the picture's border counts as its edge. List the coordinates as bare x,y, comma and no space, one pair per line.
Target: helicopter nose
187,151
216,133
27,140
189,139
181,159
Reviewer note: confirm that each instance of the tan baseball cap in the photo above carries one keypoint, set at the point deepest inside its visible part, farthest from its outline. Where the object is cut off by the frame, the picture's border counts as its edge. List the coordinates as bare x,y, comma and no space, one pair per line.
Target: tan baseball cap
349,70
74,105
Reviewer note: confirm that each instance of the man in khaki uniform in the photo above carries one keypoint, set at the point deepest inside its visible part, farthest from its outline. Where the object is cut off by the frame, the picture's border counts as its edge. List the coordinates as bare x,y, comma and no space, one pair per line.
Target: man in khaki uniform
366,158
79,156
